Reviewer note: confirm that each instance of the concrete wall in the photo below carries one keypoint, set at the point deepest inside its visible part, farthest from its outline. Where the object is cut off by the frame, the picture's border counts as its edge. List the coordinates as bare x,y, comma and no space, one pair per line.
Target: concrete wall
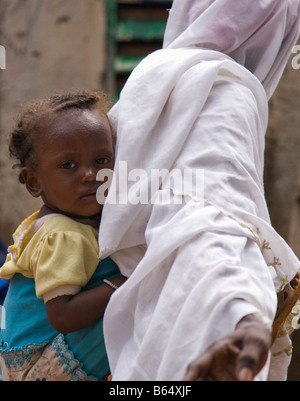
282,168
56,44
282,156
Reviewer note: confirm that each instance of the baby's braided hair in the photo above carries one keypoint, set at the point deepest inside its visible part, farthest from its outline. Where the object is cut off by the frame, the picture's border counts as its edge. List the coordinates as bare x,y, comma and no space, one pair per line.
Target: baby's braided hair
22,138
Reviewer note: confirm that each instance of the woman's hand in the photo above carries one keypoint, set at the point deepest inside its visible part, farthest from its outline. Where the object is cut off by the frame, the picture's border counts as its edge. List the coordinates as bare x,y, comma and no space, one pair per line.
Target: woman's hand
237,357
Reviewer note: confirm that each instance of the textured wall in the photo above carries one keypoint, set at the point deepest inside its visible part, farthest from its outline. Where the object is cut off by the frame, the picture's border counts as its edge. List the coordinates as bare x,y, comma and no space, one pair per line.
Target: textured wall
282,156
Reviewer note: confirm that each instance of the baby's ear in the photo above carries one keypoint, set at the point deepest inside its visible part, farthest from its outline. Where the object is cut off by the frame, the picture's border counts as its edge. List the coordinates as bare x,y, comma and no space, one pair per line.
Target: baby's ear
32,182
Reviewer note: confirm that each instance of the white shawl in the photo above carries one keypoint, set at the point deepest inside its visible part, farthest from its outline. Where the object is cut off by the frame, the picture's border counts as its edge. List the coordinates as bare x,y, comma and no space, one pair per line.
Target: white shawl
197,264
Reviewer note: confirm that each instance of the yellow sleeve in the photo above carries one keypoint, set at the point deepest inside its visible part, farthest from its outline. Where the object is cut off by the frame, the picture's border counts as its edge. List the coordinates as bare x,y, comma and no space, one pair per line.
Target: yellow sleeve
63,263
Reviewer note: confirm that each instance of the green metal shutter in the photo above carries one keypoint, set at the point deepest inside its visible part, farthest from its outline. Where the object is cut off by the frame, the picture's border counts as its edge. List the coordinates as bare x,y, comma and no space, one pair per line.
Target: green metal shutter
135,29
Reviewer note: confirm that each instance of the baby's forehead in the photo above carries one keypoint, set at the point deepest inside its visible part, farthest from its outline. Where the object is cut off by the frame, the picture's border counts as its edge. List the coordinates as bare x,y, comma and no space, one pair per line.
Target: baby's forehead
62,128
76,114
75,121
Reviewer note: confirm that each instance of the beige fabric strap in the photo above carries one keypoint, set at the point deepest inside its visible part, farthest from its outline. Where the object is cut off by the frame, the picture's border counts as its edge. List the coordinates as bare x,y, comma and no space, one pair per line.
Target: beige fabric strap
287,299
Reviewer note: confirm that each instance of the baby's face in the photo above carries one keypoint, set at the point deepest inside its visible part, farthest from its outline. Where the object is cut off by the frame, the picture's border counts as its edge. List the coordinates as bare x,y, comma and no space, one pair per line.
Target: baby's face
73,147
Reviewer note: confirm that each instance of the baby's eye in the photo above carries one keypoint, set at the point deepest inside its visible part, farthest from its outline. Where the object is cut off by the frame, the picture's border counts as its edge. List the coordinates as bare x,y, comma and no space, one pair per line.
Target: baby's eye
67,165
102,160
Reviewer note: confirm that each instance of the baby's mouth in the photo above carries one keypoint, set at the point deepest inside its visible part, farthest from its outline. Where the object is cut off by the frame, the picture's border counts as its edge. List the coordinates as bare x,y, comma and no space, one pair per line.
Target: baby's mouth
89,195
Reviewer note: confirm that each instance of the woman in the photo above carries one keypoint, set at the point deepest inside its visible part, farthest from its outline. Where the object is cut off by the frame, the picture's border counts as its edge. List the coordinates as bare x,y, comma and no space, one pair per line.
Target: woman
207,266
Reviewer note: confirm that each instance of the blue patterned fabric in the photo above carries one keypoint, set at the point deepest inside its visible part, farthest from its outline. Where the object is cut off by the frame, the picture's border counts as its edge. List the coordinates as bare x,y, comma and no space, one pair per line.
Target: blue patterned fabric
26,326
3,283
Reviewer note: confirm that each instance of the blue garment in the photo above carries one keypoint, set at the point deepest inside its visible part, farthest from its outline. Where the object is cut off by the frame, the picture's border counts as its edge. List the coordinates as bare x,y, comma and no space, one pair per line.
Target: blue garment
26,322
3,283
3,289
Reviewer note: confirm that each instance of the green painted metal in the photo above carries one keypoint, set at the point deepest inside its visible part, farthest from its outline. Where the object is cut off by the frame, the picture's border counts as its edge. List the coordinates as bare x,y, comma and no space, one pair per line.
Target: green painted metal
125,64
131,31
145,2
147,30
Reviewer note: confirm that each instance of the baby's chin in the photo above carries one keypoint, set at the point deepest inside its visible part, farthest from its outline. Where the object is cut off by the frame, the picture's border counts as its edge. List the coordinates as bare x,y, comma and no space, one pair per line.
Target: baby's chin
82,216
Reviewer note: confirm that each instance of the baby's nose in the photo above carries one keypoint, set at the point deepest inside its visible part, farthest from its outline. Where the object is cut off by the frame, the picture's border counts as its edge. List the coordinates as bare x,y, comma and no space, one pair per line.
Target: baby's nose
89,174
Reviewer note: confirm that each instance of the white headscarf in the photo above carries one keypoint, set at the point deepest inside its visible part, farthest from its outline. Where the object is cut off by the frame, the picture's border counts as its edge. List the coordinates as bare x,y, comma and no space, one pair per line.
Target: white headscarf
259,35
196,267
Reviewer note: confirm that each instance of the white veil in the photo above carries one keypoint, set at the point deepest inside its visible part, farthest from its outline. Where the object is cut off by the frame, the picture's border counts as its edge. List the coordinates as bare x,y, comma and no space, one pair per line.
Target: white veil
259,35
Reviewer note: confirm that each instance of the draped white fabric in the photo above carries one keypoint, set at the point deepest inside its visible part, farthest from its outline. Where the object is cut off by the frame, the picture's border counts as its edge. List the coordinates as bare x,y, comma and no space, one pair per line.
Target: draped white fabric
197,264
258,35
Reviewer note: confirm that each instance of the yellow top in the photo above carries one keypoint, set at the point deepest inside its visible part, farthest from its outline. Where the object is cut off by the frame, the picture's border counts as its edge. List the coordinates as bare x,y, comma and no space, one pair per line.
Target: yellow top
60,253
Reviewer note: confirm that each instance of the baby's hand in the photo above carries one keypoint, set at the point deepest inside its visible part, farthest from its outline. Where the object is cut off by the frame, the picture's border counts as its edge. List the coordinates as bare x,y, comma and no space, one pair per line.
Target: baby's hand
237,357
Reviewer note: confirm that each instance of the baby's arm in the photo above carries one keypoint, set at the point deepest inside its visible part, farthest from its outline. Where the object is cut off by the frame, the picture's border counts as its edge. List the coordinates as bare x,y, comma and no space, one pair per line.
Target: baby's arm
69,313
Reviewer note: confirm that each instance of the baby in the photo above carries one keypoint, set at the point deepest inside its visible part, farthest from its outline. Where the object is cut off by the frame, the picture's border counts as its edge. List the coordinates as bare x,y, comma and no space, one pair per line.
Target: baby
58,290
